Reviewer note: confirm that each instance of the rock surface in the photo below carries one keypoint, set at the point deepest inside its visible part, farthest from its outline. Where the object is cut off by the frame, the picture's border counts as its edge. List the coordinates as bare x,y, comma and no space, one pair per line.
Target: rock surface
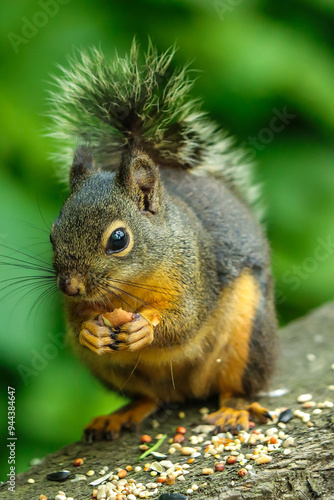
308,472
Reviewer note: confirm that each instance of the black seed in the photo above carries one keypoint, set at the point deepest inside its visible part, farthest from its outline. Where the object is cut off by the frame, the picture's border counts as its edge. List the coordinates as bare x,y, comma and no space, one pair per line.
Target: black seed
285,416
172,496
58,476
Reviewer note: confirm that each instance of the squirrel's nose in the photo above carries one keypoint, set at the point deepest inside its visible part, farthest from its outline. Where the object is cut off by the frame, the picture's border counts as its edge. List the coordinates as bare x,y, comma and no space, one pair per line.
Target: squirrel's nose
70,286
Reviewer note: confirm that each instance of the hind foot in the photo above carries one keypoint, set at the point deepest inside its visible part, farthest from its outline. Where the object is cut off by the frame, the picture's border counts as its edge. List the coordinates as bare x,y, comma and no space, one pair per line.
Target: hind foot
108,427
235,420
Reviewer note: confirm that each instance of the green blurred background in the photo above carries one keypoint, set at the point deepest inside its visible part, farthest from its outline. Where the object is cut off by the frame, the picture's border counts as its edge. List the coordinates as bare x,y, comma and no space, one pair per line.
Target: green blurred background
258,59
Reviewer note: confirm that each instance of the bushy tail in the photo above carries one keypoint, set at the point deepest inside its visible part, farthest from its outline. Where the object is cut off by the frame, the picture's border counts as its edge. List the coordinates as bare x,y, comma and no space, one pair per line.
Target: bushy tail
114,104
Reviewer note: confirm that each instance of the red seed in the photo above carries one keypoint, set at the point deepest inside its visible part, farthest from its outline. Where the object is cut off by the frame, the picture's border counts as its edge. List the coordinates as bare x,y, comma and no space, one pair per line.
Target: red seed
78,462
146,438
161,480
122,473
179,438
242,472
231,460
219,466
181,430
273,440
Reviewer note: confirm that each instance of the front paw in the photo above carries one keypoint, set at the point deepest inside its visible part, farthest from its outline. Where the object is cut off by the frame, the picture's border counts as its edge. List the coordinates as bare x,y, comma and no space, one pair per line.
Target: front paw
135,334
99,338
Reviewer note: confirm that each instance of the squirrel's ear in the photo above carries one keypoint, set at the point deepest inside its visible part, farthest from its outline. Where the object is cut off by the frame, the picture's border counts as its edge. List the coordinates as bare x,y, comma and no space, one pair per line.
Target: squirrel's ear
82,166
140,176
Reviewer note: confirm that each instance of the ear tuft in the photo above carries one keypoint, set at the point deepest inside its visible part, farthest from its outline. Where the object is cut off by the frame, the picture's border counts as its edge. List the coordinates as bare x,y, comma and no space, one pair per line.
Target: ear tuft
140,176
82,166
147,179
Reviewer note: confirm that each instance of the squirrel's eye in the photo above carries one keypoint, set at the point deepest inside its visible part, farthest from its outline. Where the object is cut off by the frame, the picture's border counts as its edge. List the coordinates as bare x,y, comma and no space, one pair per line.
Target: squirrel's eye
118,240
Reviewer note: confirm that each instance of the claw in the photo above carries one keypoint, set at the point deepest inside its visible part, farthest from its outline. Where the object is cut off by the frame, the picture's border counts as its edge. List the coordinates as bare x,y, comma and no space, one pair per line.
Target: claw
259,412
107,436
228,419
90,435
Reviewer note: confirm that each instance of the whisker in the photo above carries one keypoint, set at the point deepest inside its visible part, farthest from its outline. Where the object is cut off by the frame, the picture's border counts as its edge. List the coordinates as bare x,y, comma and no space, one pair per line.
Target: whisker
29,224
172,374
46,251
38,241
32,267
41,298
17,280
22,287
27,282
142,302
48,227
132,372
39,277
44,293
21,282
108,290
105,298
144,287
35,289
105,293
41,261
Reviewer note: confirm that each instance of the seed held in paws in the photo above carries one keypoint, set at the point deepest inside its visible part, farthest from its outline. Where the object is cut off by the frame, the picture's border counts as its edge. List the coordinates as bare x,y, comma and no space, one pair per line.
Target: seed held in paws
117,318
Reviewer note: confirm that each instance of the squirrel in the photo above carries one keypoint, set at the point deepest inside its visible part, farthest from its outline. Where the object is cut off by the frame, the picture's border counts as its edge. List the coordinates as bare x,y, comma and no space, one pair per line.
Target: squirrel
159,223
